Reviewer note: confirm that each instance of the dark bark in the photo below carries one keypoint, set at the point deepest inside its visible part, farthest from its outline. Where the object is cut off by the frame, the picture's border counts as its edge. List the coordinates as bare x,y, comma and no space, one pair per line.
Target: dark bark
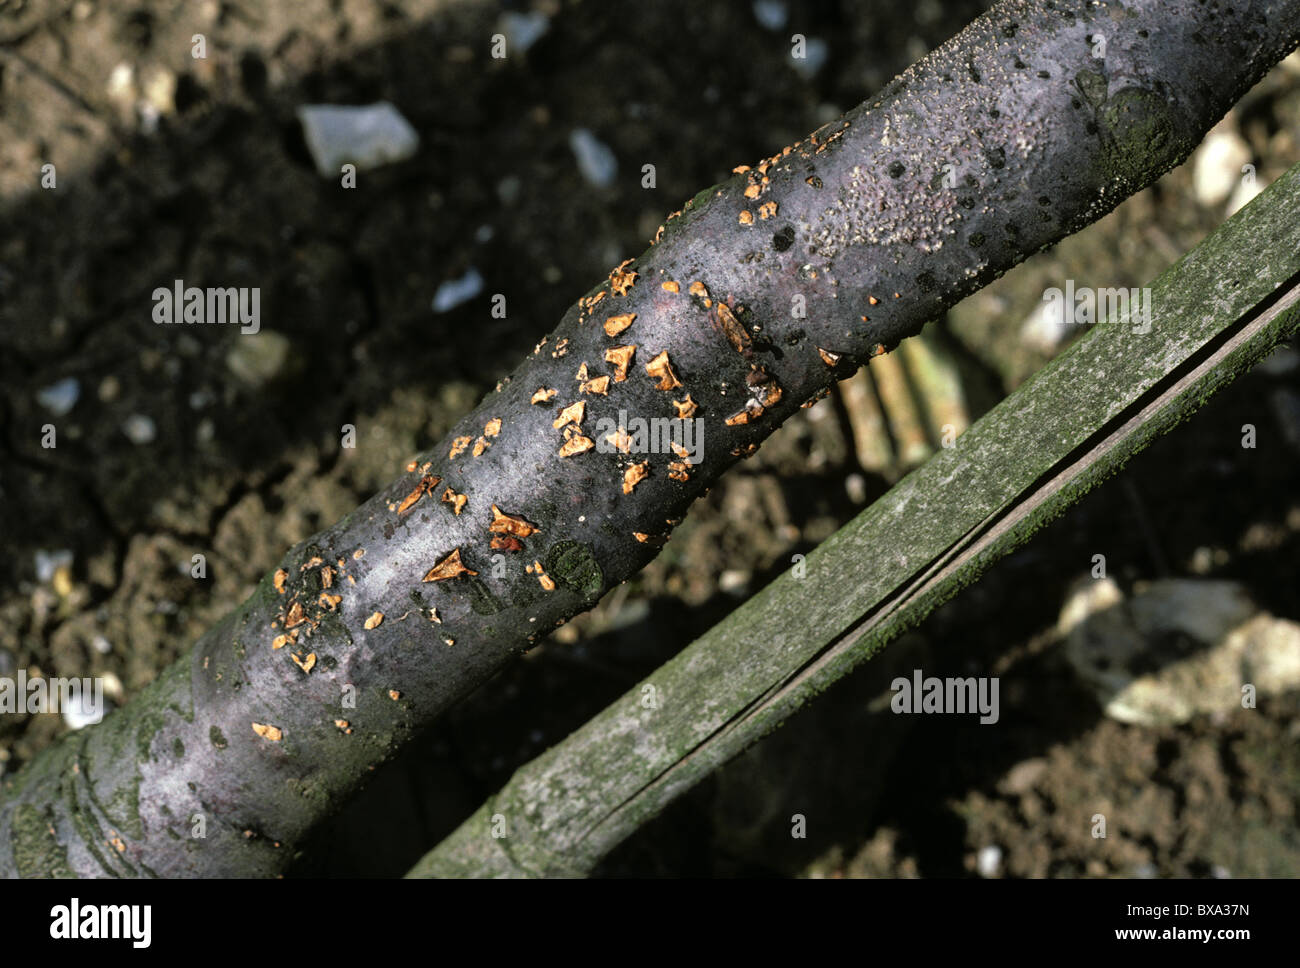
857,223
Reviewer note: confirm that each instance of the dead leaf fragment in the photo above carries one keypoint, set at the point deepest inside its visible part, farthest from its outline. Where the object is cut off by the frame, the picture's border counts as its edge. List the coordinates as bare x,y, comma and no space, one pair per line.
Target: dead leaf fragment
504,542
543,395
600,385
829,358
295,616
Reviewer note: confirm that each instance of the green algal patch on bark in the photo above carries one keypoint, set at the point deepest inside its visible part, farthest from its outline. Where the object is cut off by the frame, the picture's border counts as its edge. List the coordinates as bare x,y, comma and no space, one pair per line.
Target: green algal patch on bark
573,565
1143,140
37,852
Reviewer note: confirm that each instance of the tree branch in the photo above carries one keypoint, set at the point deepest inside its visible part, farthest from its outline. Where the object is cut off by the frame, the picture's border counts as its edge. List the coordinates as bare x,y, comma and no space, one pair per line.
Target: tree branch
1018,468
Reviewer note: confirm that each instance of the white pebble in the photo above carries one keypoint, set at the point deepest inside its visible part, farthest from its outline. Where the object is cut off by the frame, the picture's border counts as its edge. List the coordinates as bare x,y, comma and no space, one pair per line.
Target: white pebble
61,396
1047,327
989,861
139,429
48,562
1216,167
816,51
771,14
522,30
82,711
453,292
596,159
367,135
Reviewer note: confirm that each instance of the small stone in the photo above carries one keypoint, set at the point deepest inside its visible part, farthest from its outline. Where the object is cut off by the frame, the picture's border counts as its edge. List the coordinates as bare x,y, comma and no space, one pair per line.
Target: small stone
771,14
367,136
596,160
816,51
121,89
522,30
1047,327
49,563
158,85
83,712
139,429
61,396
1216,166
1177,649
255,359
453,292
988,862
508,189
733,581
